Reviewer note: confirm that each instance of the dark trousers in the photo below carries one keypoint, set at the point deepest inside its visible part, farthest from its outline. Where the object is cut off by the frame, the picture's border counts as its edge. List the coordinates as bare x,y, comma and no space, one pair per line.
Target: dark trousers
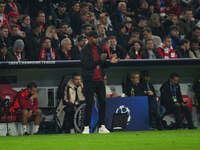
92,88
178,112
69,118
154,115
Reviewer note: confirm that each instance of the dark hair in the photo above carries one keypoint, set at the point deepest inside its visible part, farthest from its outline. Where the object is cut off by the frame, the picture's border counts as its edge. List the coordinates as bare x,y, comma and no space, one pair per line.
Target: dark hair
3,27
2,2
40,12
194,40
31,85
166,37
104,41
184,41
174,74
147,29
75,74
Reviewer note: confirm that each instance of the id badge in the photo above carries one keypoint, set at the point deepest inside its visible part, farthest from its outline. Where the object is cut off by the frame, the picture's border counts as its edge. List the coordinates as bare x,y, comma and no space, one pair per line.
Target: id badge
175,99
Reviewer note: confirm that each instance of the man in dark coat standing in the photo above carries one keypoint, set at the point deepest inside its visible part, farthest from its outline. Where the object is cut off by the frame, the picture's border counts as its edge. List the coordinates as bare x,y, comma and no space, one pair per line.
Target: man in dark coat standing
93,63
171,99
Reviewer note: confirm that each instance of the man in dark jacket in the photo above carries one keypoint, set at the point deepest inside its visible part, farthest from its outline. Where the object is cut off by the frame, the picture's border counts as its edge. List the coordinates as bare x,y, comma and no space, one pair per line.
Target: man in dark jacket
93,63
134,88
33,42
155,119
183,51
171,99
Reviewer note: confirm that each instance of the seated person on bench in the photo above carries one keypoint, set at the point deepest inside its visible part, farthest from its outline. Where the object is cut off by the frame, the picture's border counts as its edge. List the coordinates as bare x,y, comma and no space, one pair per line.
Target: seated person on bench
134,88
171,99
27,102
73,97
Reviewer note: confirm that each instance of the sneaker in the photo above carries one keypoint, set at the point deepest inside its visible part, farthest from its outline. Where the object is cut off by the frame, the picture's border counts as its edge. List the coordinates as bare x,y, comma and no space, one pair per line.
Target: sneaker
86,130
103,129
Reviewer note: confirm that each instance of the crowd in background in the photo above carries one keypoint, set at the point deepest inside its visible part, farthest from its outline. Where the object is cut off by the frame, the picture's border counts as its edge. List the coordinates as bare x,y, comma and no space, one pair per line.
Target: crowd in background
48,30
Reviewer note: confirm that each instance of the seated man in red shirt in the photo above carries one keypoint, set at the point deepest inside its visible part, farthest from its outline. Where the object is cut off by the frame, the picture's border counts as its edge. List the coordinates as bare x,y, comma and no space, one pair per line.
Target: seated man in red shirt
27,101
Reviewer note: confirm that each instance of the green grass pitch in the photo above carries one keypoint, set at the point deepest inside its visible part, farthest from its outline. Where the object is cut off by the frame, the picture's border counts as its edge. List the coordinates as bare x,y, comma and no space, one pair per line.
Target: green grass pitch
145,140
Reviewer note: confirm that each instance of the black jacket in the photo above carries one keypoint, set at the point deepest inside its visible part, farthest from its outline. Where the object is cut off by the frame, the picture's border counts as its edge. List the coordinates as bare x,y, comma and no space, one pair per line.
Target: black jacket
89,65
182,53
145,54
135,90
166,94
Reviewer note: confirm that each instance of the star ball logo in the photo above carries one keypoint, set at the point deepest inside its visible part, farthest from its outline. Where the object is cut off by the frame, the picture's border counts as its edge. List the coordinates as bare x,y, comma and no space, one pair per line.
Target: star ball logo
122,110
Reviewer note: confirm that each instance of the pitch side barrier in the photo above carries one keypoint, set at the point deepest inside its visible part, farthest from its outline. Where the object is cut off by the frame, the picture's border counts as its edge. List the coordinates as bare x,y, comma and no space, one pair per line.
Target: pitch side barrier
49,73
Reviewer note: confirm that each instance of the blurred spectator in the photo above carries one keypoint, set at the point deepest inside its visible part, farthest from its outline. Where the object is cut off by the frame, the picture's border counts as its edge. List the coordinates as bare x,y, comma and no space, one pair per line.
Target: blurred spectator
160,8
183,51
5,55
65,52
129,26
174,7
41,20
195,33
116,49
136,50
147,34
34,40
155,25
172,20
75,18
65,31
143,10
4,35
119,17
175,37
86,28
52,34
135,36
47,52
142,23
171,99
105,47
105,20
76,50
13,19
60,15
166,51
123,37
194,51
17,51
15,33
13,6
3,17
101,31
80,17
26,24
188,22
99,8
150,51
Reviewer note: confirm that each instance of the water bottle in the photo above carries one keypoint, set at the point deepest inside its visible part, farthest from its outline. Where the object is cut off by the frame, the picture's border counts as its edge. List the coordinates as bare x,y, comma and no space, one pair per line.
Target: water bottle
9,131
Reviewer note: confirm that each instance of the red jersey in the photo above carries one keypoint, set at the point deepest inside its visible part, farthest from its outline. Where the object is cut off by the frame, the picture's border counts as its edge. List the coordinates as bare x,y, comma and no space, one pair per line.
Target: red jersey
167,53
25,101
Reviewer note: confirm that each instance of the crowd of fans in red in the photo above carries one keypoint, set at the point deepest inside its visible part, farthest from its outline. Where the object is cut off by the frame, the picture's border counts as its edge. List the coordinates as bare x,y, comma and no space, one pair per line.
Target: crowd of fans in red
49,30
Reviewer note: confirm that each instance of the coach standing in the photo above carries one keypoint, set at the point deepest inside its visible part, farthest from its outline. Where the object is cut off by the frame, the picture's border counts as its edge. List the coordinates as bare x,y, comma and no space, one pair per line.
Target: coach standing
93,62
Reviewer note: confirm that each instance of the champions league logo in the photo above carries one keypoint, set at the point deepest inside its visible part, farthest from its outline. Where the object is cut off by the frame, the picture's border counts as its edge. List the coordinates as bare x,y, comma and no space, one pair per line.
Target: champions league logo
122,110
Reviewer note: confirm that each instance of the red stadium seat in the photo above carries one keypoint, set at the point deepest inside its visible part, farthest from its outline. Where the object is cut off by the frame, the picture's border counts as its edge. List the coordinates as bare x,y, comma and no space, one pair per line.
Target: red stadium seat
7,97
